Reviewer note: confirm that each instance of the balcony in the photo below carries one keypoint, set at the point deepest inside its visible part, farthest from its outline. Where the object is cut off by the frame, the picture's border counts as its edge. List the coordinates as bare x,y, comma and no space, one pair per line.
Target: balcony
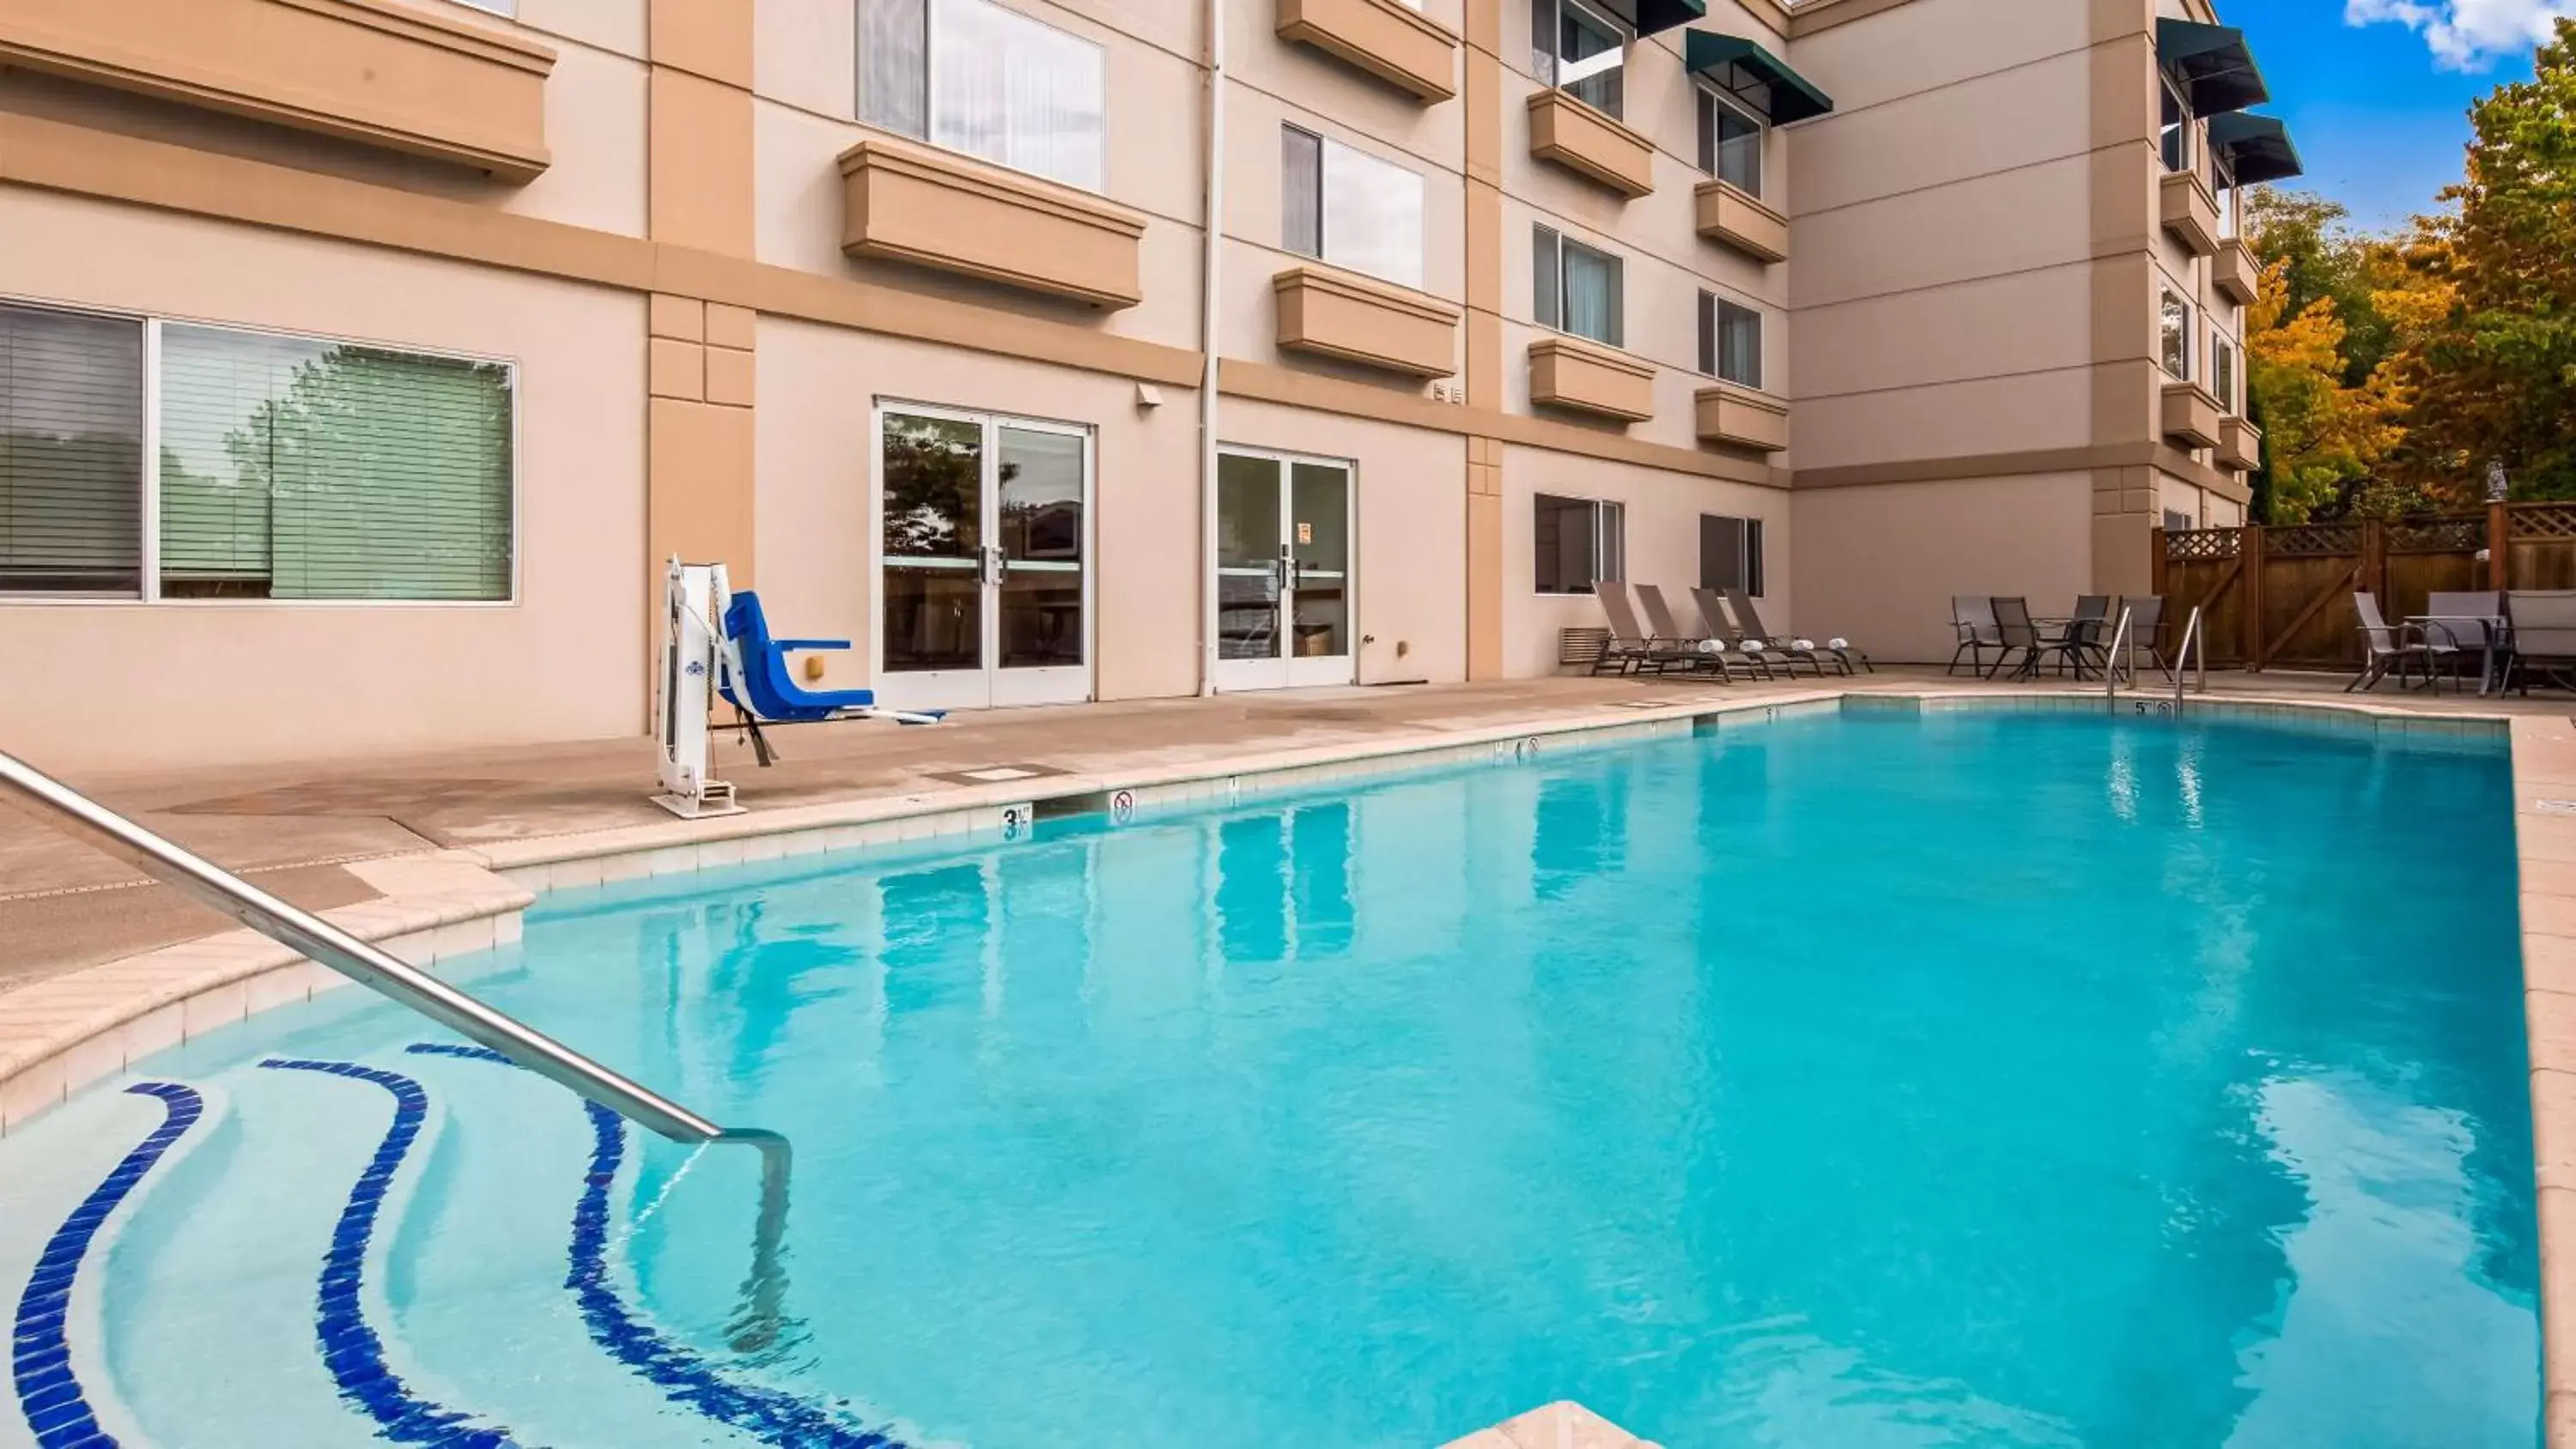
1587,377
2240,445
1590,144
1334,314
1733,217
2187,210
1740,416
2190,416
908,203
1386,38
2236,274
368,71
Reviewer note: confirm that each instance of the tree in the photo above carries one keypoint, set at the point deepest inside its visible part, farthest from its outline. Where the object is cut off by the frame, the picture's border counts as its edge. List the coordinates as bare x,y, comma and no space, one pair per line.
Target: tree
2322,437
2492,374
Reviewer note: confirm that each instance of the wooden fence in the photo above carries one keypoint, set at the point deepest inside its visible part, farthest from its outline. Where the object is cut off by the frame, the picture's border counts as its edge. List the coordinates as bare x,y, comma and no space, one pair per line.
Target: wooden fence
2282,597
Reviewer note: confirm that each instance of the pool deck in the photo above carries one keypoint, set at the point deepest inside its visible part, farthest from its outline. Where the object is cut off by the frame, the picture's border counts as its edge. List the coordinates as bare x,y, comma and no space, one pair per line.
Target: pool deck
436,855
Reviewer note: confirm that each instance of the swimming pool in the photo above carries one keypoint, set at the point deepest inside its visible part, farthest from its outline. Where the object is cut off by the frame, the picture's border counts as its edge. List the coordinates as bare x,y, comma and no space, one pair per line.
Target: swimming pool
1855,1079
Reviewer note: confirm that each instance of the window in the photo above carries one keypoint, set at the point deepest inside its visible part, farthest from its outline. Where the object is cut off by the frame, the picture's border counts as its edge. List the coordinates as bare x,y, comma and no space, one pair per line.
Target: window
2176,329
1579,49
2222,371
1730,553
1350,208
1730,143
975,77
287,467
1577,288
1730,341
497,7
1579,541
2177,521
2174,135
2222,184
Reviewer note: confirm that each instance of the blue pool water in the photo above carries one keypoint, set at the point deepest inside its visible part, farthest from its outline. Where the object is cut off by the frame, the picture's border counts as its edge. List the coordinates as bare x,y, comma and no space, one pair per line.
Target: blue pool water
1851,1080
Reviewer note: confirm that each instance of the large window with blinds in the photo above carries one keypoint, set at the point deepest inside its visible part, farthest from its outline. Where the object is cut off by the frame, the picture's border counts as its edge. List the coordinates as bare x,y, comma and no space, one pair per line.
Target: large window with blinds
282,467
978,77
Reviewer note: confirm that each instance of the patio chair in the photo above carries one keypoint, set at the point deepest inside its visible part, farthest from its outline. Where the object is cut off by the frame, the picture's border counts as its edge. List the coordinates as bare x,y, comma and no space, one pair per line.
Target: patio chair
2081,640
2146,630
1750,647
1973,615
1705,650
1750,620
2461,626
2544,634
2019,635
2388,648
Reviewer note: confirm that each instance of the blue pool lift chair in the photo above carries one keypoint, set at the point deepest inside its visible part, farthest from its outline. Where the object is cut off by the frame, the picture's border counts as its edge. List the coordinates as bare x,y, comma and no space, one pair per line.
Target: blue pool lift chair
756,681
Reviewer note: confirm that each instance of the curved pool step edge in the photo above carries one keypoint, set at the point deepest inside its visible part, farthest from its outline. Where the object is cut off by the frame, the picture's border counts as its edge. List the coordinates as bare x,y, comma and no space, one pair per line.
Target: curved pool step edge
55,1405
69,1032
1564,1424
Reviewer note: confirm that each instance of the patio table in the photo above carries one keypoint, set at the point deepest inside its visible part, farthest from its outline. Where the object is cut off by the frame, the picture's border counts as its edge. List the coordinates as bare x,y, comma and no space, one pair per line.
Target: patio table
2495,637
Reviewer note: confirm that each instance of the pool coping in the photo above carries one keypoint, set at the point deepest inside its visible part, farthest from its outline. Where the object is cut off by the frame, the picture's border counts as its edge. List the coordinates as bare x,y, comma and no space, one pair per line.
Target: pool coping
64,1034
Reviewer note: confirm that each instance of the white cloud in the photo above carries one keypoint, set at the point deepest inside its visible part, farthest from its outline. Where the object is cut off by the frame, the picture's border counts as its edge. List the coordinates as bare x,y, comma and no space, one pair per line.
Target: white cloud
2466,34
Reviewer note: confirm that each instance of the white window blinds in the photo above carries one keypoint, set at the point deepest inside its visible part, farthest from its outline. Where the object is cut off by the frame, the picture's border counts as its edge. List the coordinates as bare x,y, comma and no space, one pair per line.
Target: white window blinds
299,469
980,78
71,452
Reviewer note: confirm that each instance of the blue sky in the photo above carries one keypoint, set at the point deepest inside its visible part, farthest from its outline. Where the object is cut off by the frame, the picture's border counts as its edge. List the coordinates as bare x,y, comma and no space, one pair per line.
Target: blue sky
2376,92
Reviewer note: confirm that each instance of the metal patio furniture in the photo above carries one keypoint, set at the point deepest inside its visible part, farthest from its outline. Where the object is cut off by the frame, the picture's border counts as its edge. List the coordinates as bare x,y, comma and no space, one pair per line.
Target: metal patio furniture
2390,648
1704,652
2458,625
2079,638
2544,635
1973,616
1749,619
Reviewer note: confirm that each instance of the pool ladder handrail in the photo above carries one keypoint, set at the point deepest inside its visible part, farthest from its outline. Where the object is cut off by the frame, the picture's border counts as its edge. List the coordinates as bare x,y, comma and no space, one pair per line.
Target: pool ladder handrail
2111,657
2195,644
389,976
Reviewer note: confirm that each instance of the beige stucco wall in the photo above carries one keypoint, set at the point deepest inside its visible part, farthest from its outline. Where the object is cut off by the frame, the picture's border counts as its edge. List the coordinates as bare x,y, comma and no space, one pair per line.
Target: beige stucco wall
1662,541
1879,565
122,685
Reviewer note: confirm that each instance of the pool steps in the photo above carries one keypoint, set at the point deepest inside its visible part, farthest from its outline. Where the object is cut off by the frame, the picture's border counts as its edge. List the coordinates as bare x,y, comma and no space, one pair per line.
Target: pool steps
308,1318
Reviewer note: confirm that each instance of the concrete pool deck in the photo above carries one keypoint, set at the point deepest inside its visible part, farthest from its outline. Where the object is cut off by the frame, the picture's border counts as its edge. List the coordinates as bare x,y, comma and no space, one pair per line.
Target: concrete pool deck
436,856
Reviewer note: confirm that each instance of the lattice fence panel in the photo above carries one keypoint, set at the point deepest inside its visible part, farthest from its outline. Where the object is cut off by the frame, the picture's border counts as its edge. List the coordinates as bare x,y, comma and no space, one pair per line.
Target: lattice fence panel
2183,545
2437,535
2313,540
2544,520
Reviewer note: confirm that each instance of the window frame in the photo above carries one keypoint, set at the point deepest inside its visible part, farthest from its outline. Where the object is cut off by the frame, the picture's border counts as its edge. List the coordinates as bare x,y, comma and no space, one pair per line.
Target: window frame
1555,77
148,551
1323,146
1748,552
929,72
2169,135
1710,146
1602,510
2222,188
2223,368
1712,340
2170,331
1619,270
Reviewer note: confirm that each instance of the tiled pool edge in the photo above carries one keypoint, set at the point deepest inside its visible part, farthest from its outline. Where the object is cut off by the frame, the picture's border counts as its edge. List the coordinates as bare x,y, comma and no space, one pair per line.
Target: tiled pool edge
62,1035
2544,820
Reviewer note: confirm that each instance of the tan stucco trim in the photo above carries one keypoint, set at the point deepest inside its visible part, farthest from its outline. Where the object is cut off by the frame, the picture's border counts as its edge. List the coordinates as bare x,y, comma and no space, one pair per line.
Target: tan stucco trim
361,70
933,208
1355,319
708,38
1818,15
1387,39
1590,144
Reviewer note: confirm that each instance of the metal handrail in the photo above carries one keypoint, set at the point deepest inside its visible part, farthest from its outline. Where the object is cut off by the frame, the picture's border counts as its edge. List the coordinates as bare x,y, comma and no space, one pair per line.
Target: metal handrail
2111,657
2192,640
211,885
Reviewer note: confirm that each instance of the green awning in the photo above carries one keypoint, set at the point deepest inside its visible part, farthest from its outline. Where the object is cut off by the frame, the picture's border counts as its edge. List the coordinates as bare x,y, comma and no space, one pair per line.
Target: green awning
1754,76
1647,17
2257,148
2214,63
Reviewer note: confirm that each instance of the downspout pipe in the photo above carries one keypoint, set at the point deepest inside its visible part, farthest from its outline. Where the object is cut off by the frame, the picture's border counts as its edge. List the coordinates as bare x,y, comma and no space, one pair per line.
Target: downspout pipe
1212,233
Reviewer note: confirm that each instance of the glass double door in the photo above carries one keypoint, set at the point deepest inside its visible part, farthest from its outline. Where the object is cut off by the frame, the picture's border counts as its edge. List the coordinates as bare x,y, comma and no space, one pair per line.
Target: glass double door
984,528
1283,575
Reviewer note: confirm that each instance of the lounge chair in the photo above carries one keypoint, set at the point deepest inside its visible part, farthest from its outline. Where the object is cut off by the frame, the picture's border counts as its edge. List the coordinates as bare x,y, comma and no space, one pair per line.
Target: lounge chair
1706,648
2388,648
1639,650
753,677
2466,625
1747,644
1973,615
2544,634
1750,619
2019,635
